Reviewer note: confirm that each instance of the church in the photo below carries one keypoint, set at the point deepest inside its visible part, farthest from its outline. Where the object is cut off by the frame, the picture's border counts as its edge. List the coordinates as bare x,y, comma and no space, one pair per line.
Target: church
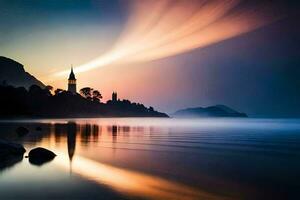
72,82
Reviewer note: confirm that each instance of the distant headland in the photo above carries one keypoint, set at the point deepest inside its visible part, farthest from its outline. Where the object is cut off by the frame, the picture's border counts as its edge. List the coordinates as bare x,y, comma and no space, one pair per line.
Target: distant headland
211,111
22,95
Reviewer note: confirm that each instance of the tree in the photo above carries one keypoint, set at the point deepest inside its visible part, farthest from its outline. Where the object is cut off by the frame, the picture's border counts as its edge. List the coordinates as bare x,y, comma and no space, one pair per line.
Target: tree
151,109
58,91
96,96
48,89
36,90
86,92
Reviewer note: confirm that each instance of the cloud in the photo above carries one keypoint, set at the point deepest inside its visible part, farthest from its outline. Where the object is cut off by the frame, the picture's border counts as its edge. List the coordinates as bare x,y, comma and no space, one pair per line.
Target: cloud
160,29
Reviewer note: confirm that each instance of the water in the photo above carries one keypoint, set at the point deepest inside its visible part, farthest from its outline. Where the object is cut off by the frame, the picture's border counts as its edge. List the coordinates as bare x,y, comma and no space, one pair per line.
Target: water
149,158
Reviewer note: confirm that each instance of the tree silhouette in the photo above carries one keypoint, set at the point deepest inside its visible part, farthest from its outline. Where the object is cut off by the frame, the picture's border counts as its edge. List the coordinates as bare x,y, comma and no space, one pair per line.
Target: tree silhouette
97,96
86,92
58,91
37,90
39,102
49,88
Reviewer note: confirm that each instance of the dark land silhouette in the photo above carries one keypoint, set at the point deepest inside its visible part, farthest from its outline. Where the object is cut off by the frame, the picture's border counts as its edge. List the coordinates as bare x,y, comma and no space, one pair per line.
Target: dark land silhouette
37,102
22,95
10,154
13,73
211,111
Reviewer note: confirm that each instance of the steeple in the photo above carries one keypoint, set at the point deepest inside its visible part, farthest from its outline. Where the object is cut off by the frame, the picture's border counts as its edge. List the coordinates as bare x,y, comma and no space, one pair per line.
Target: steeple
72,75
72,82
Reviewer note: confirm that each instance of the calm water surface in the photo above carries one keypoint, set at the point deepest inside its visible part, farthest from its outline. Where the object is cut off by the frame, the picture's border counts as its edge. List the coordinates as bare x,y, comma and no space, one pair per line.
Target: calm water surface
149,158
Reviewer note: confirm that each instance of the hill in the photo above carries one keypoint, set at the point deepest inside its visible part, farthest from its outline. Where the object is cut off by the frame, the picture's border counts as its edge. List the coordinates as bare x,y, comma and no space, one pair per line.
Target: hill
211,111
13,73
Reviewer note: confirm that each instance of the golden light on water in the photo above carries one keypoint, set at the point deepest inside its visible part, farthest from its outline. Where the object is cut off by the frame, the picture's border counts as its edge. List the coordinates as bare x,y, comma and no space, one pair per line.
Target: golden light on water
124,181
130,182
164,28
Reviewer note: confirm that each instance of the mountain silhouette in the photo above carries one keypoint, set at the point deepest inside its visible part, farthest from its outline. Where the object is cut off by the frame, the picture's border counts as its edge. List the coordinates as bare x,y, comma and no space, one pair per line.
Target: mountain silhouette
13,73
211,111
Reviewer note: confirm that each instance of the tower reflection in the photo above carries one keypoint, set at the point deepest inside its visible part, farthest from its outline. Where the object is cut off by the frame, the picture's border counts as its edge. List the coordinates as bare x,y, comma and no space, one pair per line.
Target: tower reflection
71,141
114,133
95,132
86,131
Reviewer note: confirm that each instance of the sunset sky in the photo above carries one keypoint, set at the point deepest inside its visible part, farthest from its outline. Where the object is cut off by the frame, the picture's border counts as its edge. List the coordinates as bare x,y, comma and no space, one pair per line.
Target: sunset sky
167,54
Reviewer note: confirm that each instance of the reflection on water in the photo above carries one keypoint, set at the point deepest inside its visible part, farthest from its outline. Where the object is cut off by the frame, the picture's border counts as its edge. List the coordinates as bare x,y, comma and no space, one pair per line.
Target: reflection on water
158,159
71,141
125,181
133,183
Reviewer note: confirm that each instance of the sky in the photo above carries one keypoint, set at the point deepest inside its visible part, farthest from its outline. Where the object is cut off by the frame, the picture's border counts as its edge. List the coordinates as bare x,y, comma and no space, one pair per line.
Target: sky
163,53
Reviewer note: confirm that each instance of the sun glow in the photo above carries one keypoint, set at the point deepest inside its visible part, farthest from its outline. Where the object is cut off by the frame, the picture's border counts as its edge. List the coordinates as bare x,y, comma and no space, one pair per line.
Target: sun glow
164,28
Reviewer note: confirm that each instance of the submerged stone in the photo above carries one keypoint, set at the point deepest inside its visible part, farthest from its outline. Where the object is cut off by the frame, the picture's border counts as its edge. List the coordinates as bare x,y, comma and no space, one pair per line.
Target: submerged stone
39,156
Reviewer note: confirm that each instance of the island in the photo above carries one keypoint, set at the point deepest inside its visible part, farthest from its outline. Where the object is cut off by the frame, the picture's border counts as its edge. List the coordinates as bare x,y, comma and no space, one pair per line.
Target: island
211,111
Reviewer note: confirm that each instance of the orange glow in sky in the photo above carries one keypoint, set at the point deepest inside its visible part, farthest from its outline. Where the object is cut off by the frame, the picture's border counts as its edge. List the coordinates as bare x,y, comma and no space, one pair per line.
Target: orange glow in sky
176,27
130,46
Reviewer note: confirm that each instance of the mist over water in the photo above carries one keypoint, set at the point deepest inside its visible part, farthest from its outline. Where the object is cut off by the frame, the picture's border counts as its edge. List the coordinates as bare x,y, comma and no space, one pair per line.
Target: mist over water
150,158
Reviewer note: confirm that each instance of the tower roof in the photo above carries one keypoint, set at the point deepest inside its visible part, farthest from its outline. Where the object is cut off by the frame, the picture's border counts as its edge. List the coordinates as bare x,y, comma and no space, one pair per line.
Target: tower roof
72,75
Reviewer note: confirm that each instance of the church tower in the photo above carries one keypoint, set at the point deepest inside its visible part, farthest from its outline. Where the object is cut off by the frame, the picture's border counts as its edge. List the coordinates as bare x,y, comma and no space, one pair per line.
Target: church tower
114,97
72,82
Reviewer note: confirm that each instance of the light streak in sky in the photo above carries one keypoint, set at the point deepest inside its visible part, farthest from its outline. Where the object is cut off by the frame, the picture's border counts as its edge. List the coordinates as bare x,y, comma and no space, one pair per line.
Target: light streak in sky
158,29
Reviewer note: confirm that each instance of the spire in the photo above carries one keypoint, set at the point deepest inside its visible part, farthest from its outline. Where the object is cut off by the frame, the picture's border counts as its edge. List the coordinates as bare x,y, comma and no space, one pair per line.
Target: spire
72,75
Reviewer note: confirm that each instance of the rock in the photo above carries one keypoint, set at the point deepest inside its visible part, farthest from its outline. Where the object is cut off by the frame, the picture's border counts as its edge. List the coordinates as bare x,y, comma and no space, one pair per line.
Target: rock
38,128
10,154
10,148
9,161
22,131
39,156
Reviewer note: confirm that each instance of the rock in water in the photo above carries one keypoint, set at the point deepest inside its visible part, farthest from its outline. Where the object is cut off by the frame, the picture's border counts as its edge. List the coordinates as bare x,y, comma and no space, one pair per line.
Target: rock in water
39,156
10,148
22,131
10,154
